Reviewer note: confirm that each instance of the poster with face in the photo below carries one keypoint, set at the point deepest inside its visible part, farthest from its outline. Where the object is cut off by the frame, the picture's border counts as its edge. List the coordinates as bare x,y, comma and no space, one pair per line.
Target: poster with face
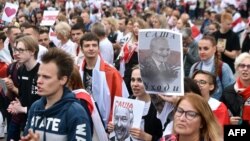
127,113
161,61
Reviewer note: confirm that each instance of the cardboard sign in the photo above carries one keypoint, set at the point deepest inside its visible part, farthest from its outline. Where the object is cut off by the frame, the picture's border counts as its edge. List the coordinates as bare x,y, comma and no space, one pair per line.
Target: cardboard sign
9,12
127,113
161,64
49,18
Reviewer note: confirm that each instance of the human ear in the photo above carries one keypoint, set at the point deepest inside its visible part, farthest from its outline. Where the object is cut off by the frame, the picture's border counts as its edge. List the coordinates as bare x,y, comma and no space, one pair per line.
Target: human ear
63,80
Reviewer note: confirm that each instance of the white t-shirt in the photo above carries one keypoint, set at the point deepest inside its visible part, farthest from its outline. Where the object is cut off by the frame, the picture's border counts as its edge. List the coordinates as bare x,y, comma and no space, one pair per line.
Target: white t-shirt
69,47
41,51
107,51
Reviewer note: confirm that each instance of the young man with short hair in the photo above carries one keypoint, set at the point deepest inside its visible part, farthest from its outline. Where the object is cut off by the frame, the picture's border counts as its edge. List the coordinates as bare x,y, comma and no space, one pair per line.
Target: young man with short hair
57,115
26,52
77,31
32,30
100,79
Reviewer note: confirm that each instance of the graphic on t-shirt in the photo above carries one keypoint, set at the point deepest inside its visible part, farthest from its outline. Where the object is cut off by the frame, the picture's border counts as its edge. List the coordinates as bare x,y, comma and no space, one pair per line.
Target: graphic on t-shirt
33,87
222,43
88,83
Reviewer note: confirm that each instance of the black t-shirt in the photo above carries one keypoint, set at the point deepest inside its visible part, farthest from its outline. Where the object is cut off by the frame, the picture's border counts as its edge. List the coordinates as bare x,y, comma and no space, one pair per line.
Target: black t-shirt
246,44
87,80
112,37
28,85
232,43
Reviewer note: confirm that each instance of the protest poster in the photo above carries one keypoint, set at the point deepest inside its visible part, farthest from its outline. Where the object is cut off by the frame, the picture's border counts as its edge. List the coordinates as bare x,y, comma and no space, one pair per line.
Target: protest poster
9,12
49,18
161,64
127,113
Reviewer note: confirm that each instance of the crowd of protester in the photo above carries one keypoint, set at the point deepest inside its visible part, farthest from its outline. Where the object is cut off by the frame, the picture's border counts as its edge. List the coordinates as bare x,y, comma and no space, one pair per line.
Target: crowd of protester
90,55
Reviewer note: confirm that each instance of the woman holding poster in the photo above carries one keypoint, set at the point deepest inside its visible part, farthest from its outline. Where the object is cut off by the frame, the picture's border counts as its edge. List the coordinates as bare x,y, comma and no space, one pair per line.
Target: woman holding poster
129,53
151,128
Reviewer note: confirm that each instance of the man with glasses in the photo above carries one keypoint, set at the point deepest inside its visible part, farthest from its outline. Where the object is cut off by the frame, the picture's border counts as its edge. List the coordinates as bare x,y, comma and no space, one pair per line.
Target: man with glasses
26,52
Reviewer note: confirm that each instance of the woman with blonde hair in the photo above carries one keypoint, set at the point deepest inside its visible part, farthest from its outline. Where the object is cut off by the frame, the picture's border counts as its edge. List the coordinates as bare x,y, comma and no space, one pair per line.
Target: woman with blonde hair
111,26
63,30
159,21
236,96
130,48
194,120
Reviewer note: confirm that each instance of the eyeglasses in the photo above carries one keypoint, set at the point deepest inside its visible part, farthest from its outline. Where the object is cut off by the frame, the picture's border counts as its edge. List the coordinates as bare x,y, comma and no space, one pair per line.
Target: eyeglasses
201,82
188,114
242,66
19,50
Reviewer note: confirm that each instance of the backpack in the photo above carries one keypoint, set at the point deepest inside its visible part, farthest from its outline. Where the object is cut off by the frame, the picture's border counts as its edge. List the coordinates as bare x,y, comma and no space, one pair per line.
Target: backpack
91,107
86,103
220,64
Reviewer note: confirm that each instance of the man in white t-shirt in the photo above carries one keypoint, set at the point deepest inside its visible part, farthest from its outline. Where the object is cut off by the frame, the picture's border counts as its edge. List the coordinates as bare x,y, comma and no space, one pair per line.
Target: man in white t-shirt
106,47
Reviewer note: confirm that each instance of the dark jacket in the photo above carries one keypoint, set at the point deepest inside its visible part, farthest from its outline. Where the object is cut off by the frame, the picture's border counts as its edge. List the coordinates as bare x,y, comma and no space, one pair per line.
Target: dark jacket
66,120
152,124
233,101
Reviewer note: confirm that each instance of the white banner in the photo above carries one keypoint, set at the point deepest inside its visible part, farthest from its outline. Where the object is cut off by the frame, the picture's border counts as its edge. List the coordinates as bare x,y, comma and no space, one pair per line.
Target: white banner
49,18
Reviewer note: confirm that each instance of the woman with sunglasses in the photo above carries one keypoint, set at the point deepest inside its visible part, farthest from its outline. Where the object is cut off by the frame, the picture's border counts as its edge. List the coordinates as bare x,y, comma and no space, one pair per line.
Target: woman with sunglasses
207,84
237,96
210,62
194,121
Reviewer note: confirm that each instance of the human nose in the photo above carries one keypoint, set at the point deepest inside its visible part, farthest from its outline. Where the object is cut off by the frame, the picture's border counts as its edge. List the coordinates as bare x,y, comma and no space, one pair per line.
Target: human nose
119,122
39,80
135,83
183,116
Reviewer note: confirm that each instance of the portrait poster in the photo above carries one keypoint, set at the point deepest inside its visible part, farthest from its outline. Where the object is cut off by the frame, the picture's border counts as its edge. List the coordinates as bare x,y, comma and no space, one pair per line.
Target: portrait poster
9,12
222,43
49,18
127,113
161,61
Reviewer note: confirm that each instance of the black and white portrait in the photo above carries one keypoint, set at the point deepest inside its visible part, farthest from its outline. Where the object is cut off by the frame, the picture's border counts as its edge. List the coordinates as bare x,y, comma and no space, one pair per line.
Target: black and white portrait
127,113
160,59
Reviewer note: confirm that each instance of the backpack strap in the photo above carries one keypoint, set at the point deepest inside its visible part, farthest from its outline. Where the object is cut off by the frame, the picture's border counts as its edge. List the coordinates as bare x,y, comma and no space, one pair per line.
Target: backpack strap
220,64
85,106
11,68
81,96
196,67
